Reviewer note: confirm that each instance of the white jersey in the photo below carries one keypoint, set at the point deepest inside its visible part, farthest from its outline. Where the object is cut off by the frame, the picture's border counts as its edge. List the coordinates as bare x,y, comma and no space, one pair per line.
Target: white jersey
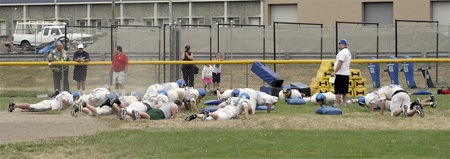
235,104
169,86
59,98
386,92
176,94
225,95
191,95
155,88
138,106
264,98
294,94
128,99
372,97
99,96
154,99
253,98
330,98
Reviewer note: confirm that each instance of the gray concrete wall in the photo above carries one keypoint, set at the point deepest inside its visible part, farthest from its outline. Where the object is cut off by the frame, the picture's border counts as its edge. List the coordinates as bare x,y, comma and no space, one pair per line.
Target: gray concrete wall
75,12
41,12
138,11
214,9
103,11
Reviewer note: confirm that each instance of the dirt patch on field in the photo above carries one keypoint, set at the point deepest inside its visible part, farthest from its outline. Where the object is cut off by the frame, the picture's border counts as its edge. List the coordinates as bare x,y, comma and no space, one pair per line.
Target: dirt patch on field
27,126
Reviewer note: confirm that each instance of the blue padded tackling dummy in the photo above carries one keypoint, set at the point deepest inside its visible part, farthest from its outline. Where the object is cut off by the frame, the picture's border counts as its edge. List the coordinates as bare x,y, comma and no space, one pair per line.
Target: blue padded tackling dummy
266,74
326,110
263,107
213,102
295,101
422,92
211,108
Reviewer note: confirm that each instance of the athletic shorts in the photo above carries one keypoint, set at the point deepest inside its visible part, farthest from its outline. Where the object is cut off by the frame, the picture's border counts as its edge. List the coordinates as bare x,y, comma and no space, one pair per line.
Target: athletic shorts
341,84
156,114
79,74
398,100
119,77
216,77
44,105
225,114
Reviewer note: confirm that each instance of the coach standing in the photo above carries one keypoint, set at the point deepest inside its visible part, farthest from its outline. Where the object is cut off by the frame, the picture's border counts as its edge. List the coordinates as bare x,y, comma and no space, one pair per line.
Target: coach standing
119,71
342,73
60,72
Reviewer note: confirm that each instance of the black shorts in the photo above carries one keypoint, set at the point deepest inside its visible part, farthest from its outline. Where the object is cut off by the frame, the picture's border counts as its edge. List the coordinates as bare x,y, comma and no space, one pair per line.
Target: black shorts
341,84
79,73
216,77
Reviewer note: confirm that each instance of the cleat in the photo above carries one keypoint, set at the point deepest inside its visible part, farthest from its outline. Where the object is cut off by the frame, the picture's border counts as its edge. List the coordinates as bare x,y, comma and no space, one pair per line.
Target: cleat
405,111
190,117
11,107
135,114
419,110
54,94
77,108
205,115
122,113
434,105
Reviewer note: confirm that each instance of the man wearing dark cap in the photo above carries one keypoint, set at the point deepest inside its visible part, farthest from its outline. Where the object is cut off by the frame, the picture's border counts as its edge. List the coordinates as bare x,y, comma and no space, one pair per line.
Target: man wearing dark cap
342,73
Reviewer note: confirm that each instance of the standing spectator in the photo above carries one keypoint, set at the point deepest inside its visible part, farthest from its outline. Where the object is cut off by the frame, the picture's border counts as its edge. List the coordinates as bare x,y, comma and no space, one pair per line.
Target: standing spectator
188,70
216,71
119,71
342,73
80,71
207,77
60,71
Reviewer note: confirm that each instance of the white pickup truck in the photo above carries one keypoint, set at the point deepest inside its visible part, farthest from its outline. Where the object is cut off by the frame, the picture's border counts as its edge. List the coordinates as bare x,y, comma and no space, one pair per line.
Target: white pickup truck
32,34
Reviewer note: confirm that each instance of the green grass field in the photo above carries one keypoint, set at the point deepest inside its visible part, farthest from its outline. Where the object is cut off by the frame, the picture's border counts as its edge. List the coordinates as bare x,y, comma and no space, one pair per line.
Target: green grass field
288,132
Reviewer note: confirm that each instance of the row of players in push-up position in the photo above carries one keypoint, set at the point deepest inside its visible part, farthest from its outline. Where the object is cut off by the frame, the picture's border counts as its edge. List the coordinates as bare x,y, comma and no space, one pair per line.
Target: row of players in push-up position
164,101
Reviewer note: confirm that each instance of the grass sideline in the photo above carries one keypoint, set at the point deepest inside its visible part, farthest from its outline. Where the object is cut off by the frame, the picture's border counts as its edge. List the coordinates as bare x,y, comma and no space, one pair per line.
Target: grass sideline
287,132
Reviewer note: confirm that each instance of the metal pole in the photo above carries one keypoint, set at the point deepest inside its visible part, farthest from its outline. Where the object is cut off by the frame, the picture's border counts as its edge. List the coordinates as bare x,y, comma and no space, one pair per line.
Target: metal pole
231,51
159,54
336,42
218,38
437,50
378,39
264,42
321,41
210,43
112,35
395,39
274,47
164,52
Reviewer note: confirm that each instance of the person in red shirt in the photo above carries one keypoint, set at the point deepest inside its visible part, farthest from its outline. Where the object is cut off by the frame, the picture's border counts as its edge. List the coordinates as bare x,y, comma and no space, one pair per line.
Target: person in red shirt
119,70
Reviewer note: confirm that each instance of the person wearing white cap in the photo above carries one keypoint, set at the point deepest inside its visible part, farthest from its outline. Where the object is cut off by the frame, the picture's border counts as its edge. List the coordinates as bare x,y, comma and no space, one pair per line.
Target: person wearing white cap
80,71
342,73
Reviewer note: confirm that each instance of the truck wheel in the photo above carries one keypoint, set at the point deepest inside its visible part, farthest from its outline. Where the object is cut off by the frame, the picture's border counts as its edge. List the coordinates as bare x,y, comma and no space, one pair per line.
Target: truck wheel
25,45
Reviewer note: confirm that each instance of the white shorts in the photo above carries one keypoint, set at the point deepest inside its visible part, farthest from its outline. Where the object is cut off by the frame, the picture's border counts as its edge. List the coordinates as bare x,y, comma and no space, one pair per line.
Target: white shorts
138,106
44,105
398,100
119,77
101,111
225,114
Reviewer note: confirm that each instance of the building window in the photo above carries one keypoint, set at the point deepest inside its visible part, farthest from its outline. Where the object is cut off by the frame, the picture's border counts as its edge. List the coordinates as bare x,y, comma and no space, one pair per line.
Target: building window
161,22
82,22
198,21
183,21
234,20
254,21
148,22
2,28
381,13
217,20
